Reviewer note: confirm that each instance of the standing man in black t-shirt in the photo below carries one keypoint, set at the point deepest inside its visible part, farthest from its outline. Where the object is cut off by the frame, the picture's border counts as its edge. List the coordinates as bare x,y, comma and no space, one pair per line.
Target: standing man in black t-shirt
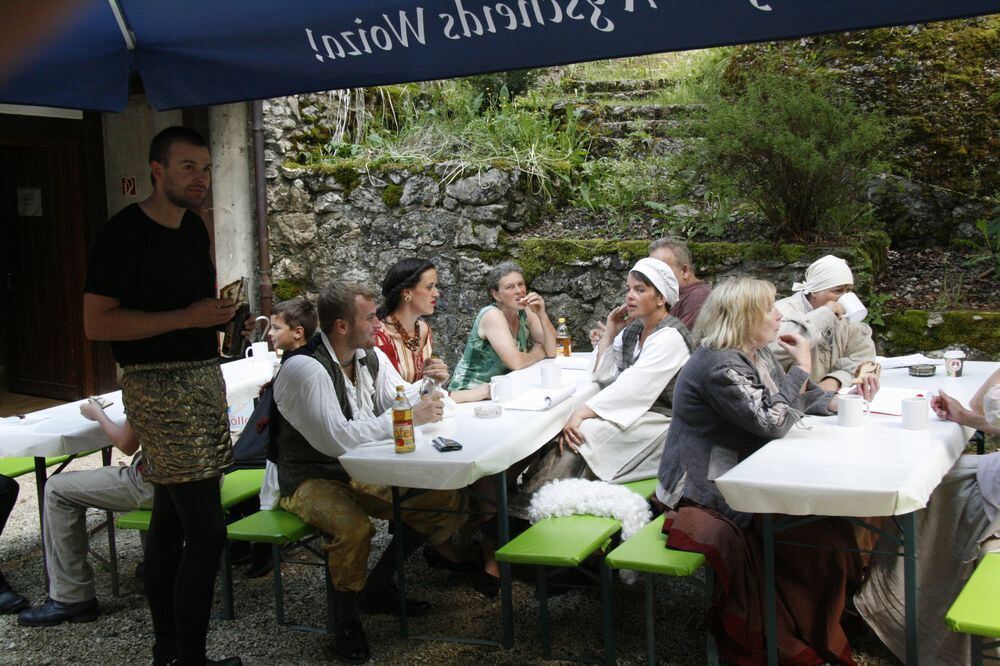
151,291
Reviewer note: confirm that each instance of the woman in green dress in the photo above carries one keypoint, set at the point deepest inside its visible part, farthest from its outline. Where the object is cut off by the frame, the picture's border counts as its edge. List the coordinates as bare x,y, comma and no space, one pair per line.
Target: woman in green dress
511,333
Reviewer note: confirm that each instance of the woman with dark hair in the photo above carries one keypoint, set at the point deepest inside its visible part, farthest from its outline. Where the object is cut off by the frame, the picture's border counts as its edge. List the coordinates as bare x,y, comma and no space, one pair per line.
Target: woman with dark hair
511,333
409,292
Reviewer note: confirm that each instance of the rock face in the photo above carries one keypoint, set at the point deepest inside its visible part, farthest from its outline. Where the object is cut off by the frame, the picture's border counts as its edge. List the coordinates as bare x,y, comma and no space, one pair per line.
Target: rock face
356,224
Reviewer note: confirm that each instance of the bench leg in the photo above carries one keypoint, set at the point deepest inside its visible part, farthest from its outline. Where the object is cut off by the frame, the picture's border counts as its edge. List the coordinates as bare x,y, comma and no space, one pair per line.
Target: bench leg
977,651
649,581
112,546
607,613
711,649
543,613
279,599
770,601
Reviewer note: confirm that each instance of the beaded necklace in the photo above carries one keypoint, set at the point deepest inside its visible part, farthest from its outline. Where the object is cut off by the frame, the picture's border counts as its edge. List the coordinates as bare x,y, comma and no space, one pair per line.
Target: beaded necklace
411,342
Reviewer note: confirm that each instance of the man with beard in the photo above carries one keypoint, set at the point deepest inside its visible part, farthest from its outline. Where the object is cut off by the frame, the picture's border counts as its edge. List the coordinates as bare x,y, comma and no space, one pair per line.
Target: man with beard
151,291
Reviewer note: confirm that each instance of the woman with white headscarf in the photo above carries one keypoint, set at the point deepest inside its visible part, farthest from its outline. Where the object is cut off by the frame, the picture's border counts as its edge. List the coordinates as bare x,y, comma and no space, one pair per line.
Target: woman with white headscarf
839,345
618,434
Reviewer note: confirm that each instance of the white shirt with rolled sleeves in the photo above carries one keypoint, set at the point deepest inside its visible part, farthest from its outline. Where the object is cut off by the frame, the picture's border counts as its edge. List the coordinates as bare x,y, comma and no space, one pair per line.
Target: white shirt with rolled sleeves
304,393
623,444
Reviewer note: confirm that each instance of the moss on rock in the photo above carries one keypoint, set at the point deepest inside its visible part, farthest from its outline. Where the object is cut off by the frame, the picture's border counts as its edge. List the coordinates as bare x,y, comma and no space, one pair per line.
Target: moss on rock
919,330
391,194
283,290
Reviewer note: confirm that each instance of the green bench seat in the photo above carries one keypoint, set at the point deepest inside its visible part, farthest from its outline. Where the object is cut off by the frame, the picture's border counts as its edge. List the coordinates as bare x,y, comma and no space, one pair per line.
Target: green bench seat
564,542
647,553
285,532
15,467
238,486
976,610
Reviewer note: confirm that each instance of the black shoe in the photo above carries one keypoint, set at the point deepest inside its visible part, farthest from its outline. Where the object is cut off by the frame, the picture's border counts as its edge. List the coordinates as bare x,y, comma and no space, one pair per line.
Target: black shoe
436,560
54,612
12,602
486,584
386,602
261,564
349,644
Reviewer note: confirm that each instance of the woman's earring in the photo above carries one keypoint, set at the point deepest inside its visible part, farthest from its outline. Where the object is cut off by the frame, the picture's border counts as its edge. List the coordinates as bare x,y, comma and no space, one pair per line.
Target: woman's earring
408,298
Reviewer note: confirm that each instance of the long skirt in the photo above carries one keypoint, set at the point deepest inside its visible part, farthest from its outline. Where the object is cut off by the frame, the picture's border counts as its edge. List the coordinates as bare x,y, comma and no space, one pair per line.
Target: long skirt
953,532
812,585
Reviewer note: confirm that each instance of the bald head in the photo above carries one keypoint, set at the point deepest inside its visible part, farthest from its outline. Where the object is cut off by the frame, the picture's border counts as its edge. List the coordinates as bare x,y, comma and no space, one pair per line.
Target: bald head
675,254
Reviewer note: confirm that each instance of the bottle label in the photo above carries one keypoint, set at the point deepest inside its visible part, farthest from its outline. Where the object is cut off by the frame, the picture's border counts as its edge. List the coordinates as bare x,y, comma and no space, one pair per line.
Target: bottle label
402,430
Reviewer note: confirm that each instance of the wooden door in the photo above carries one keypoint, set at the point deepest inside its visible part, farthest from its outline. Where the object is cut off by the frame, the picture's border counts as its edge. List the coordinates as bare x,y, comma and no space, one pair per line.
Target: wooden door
44,248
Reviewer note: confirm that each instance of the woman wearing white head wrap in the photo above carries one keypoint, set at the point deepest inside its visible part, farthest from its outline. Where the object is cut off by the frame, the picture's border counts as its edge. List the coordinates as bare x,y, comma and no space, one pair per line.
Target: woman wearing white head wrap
618,434
813,311
959,525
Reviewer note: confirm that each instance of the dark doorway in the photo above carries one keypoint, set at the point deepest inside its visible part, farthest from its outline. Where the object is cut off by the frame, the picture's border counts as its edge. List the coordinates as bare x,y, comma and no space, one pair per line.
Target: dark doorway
51,193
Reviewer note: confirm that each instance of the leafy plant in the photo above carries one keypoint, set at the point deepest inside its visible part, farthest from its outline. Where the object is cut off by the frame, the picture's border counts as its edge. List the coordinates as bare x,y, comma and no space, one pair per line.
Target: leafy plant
799,150
877,309
498,87
987,254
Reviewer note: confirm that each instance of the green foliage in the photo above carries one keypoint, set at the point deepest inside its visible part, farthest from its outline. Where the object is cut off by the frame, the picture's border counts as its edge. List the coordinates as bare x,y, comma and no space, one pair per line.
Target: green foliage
284,290
497,88
987,251
800,150
391,194
446,123
877,310
937,81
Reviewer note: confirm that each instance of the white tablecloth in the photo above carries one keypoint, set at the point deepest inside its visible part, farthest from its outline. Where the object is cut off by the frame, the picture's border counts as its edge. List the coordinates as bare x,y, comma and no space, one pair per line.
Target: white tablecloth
63,430
488,445
879,469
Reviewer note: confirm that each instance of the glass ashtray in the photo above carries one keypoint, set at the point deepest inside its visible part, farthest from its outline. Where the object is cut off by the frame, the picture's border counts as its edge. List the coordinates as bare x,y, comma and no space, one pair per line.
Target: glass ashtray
488,411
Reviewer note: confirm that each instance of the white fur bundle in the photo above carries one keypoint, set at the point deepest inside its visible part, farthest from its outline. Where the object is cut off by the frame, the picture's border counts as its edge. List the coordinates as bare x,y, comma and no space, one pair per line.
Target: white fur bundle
570,497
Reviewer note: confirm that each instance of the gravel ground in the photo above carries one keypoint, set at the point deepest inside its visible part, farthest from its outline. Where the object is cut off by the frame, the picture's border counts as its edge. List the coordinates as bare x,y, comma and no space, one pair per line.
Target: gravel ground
123,634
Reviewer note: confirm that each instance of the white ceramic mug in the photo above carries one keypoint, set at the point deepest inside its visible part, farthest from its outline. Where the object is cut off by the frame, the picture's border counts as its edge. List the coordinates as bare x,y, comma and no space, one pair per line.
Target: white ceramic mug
915,413
501,389
258,351
851,410
854,309
551,376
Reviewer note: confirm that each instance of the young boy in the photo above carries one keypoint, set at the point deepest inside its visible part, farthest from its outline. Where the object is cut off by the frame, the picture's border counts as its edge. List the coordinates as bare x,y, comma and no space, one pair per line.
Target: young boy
293,323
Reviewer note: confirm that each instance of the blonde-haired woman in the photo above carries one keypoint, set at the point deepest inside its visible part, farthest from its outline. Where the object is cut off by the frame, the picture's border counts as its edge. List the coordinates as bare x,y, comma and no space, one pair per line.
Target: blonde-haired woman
731,398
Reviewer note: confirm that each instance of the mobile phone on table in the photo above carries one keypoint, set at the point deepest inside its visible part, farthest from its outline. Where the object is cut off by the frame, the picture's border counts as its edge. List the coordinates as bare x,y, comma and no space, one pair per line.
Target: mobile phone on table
444,444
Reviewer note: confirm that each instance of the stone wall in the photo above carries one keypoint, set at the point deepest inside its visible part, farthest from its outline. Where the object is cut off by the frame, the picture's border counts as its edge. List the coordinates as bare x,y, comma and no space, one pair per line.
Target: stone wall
341,222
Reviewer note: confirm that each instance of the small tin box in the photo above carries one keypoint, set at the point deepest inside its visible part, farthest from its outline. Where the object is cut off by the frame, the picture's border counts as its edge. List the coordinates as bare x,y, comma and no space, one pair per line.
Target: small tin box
923,370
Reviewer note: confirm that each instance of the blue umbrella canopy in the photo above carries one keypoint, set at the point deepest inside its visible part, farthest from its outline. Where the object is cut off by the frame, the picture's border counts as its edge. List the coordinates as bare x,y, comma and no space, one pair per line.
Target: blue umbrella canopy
199,52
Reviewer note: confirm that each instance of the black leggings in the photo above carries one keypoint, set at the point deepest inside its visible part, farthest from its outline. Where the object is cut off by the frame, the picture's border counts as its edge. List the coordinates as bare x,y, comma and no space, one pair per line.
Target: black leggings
187,534
8,495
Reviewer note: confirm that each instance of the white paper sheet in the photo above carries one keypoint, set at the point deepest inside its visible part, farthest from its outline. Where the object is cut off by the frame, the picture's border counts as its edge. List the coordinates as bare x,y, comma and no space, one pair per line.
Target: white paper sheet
890,362
540,399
